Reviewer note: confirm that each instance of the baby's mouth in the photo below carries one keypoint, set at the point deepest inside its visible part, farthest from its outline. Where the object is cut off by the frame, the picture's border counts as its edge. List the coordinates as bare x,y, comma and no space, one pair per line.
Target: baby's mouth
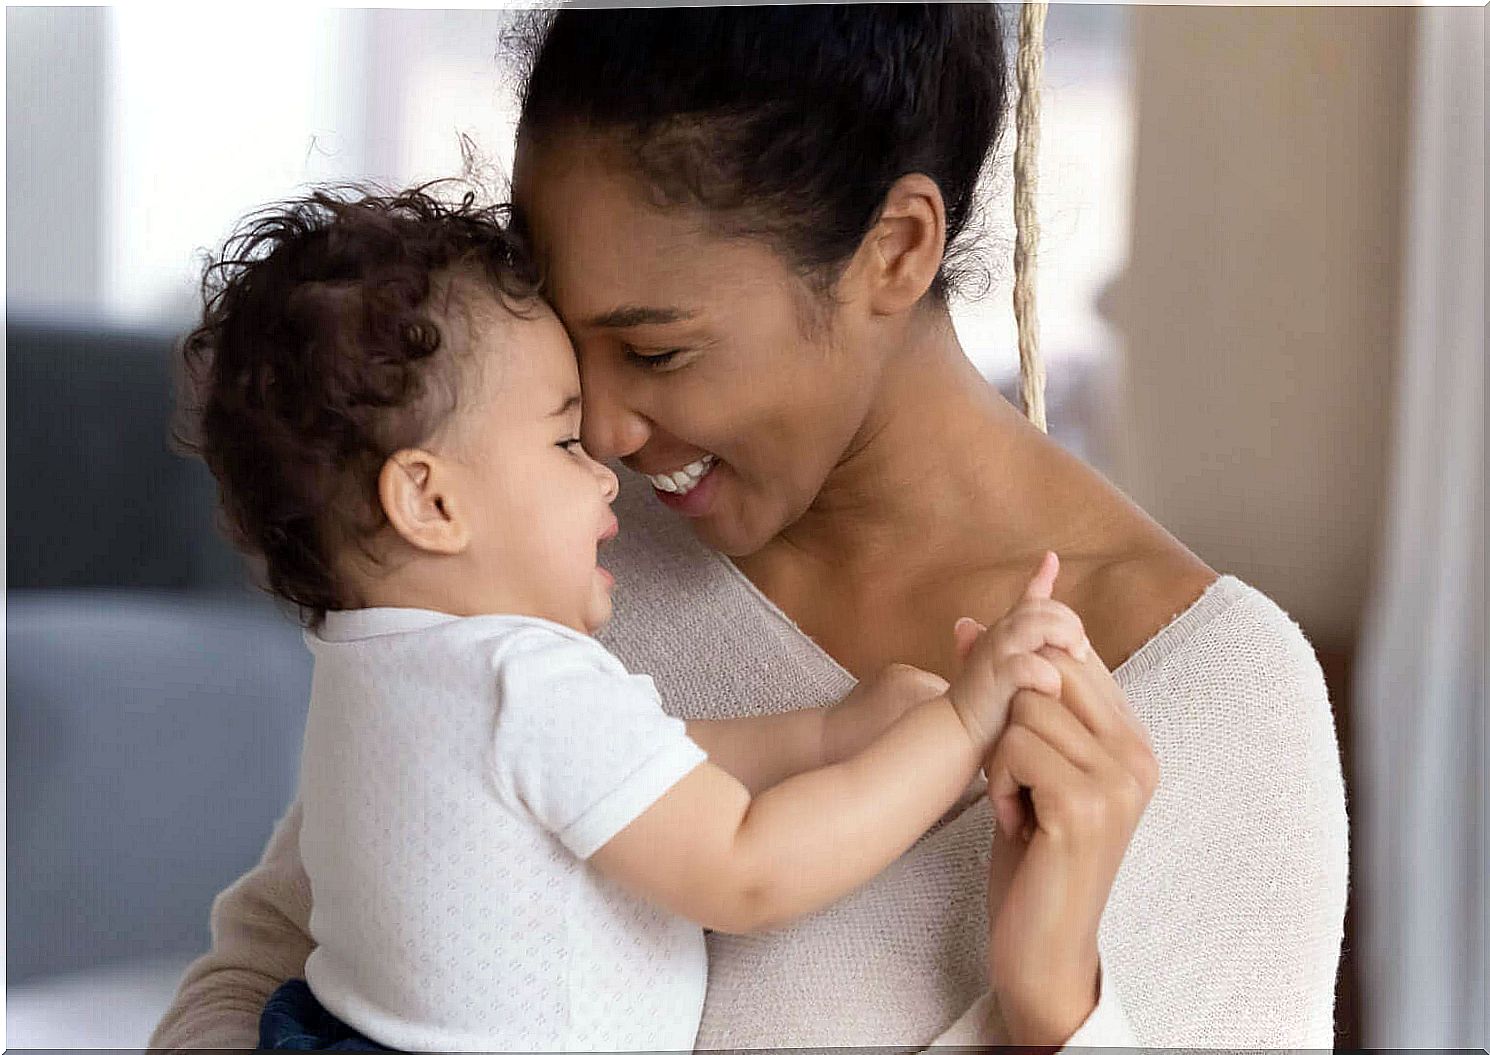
681,481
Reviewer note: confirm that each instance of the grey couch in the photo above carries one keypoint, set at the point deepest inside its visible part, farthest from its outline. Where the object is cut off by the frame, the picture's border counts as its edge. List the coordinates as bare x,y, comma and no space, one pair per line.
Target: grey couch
155,699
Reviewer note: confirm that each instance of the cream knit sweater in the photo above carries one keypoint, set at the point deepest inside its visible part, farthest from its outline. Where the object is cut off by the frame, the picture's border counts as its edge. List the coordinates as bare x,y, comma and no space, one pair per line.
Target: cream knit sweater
1223,928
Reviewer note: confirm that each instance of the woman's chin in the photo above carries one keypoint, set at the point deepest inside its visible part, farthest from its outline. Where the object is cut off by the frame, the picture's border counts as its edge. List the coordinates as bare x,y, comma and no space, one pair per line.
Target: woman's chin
727,535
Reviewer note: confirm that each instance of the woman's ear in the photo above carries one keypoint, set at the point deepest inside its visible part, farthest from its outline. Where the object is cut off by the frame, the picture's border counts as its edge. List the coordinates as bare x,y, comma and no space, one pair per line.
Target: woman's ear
415,489
906,244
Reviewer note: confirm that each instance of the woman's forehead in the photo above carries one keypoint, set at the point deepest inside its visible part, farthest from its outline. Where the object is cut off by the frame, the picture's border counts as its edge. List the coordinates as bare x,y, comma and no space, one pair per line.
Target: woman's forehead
602,247
607,251
574,203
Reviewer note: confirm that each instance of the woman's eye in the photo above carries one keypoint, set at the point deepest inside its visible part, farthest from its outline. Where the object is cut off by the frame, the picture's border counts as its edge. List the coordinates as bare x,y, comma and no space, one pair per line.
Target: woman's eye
649,360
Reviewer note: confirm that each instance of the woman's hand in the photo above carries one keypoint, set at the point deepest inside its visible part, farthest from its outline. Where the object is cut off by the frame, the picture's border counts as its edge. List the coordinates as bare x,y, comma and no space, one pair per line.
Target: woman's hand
1069,779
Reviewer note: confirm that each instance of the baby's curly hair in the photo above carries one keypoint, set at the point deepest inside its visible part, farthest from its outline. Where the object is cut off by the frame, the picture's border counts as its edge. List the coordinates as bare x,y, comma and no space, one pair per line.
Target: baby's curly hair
320,354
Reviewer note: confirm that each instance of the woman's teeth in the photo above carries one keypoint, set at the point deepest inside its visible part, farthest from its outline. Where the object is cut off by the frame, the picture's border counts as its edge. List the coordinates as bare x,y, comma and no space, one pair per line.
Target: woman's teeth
681,481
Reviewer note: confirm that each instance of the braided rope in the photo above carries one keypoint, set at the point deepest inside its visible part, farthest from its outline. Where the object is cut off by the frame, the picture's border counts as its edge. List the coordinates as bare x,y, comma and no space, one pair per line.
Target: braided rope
1026,226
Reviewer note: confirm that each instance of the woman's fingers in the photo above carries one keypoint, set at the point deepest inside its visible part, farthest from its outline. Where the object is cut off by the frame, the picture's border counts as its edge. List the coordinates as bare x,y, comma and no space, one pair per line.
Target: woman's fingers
1022,758
1090,694
1098,700
1094,698
1045,715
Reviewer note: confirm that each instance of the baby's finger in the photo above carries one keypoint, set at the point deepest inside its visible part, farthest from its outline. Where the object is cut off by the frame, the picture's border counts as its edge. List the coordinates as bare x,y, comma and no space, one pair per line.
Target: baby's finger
1027,670
965,634
1035,624
1044,578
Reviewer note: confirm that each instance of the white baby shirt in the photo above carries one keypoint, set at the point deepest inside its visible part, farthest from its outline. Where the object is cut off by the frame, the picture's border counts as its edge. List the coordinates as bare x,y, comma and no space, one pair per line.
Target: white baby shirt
456,774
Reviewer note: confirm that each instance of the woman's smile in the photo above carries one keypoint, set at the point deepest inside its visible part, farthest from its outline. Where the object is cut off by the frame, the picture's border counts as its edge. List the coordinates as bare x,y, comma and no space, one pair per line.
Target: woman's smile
681,481
689,490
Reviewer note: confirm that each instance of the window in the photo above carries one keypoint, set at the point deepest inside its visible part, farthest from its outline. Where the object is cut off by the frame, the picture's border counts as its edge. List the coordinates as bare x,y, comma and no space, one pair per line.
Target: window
202,114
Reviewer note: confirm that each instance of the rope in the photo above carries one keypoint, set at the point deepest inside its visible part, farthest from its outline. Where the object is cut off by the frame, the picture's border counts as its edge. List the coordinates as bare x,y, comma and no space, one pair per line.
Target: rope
1026,226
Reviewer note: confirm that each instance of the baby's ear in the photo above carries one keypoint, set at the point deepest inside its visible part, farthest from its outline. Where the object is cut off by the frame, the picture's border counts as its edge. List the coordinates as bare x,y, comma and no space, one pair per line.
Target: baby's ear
416,492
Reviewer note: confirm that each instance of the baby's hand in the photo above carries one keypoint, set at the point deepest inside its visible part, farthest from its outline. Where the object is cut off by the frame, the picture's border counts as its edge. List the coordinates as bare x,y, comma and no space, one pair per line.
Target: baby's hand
1003,659
874,705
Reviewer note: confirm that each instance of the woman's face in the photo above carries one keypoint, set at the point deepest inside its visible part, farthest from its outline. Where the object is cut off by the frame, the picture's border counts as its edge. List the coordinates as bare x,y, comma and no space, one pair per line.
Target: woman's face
698,355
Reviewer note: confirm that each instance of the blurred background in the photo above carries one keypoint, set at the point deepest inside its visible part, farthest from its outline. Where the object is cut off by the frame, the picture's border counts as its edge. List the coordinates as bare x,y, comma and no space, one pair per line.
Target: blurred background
1262,306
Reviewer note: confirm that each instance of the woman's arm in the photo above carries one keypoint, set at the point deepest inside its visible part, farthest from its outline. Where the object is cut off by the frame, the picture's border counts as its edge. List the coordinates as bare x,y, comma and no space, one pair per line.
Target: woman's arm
1224,926
260,938
982,1026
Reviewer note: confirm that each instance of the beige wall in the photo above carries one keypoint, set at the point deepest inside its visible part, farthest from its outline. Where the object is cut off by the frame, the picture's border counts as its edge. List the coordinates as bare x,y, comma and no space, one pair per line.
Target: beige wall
1259,307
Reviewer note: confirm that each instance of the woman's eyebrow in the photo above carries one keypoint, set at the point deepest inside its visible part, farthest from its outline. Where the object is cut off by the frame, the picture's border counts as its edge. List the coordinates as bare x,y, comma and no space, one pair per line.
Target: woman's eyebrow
636,315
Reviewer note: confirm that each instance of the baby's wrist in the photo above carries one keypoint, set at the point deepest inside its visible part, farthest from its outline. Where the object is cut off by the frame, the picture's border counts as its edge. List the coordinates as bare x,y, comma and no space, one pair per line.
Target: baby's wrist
832,734
977,737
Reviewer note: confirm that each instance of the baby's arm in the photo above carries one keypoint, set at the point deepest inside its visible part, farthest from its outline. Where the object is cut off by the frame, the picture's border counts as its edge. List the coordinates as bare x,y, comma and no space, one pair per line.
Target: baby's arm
709,851
763,750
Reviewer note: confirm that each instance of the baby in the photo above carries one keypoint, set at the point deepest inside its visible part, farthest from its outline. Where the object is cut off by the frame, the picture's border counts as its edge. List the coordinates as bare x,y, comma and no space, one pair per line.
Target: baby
510,844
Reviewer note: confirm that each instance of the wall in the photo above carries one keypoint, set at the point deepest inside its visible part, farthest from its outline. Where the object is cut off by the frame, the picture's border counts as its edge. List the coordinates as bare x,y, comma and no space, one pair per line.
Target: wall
1259,308
55,120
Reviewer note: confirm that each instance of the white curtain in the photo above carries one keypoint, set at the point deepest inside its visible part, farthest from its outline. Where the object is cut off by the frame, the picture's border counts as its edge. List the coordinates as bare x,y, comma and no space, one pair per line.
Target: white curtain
1421,803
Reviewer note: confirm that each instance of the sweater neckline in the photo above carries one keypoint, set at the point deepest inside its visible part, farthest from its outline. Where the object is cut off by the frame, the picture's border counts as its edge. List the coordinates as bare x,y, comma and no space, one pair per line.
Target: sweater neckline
1216,597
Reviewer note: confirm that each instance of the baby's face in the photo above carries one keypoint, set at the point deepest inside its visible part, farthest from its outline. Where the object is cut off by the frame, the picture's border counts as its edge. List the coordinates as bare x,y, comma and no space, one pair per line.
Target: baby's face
538,505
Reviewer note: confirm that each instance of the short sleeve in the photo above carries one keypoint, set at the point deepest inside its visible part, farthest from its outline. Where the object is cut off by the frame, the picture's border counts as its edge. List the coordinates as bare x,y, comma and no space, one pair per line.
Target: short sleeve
580,745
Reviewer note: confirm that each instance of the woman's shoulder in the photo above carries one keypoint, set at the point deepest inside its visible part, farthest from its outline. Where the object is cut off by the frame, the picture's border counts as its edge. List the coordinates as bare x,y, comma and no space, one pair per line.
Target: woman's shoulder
1221,647
1235,702
1129,597
1162,607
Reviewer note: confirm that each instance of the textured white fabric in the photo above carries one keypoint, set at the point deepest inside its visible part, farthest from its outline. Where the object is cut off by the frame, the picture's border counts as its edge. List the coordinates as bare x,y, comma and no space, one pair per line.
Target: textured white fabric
1106,1027
456,773
1224,925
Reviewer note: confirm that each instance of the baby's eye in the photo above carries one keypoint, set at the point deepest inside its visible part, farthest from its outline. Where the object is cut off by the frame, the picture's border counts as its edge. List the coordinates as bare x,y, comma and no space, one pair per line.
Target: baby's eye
570,445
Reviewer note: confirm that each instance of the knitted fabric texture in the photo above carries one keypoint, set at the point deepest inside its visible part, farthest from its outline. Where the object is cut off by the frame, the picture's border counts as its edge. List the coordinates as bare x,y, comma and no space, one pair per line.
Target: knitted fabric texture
1223,928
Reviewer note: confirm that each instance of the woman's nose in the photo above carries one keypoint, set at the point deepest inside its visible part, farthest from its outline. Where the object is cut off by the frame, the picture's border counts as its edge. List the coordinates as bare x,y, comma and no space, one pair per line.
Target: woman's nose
609,428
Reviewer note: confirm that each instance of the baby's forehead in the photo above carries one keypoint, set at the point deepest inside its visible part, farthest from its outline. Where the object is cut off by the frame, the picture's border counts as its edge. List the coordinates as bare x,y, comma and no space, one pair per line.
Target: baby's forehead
515,353
468,297
476,320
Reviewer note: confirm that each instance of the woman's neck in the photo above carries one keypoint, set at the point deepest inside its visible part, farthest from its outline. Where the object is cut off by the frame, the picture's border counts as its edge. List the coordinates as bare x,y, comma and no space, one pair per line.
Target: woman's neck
942,507
939,451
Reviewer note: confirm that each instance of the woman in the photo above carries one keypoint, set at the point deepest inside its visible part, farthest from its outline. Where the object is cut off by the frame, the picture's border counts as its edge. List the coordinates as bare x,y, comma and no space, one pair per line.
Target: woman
751,220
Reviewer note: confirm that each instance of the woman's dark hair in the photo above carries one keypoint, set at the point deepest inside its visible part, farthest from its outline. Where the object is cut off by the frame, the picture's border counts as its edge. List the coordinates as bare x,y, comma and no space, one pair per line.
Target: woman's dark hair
320,354
788,123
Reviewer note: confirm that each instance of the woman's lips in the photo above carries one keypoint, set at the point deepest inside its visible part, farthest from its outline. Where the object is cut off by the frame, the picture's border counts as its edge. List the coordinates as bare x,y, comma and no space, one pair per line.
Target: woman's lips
683,479
700,497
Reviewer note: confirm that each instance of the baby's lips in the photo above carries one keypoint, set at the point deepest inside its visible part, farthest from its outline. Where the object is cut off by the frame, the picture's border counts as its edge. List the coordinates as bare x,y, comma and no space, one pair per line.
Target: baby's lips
611,531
